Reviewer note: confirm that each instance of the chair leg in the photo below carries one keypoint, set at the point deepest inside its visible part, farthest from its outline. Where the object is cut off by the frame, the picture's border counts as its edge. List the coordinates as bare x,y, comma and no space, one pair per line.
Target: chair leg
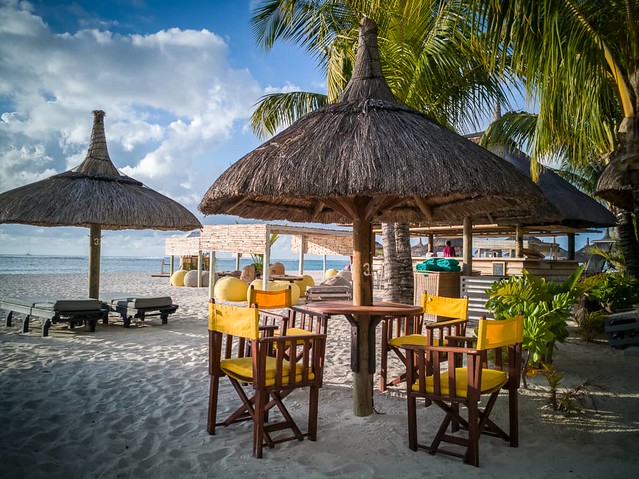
383,367
513,420
313,407
258,424
412,422
441,432
454,425
472,453
212,414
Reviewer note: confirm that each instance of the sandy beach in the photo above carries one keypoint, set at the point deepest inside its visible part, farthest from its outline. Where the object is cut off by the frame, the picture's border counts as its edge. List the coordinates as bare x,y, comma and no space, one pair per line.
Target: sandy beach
132,403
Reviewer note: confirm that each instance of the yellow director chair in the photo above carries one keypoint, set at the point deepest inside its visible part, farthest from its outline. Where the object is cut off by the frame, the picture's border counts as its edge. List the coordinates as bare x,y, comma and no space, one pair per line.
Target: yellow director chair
271,378
448,385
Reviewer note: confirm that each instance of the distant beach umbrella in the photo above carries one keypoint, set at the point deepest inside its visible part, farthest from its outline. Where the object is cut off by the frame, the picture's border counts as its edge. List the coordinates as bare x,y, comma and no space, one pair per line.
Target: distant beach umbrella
95,195
614,187
364,159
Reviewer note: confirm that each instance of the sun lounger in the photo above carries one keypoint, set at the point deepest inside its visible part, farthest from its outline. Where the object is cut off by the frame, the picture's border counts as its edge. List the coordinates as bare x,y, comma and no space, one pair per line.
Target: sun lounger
328,293
51,311
130,306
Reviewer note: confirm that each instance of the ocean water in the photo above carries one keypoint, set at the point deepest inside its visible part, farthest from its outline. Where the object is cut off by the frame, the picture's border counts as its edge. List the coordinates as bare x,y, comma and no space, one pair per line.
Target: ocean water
35,264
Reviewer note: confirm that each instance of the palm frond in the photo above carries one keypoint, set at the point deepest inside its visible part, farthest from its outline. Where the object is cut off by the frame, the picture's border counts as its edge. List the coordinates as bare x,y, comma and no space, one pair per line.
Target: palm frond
278,110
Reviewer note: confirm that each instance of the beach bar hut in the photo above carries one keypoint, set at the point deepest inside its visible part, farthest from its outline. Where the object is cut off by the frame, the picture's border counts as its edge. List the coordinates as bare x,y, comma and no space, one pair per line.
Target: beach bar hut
253,239
363,159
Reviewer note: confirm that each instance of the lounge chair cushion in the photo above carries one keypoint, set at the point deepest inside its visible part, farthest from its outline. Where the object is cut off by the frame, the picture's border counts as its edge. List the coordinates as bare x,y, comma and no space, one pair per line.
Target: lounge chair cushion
139,302
86,304
26,301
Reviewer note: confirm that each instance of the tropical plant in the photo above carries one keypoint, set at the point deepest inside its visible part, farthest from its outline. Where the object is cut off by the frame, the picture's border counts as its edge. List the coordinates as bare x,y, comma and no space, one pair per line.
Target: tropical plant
579,62
546,307
613,291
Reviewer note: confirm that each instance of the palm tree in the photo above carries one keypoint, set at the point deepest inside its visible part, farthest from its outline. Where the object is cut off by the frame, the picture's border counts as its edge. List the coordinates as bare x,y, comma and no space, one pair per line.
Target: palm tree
428,60
580,61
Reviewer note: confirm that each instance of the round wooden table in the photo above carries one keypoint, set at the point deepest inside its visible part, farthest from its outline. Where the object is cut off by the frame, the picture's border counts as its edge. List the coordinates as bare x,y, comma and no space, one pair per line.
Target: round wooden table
363,321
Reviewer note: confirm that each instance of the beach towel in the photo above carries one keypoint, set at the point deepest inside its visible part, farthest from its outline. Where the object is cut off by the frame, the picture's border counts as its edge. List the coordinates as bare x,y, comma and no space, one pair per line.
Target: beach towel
439,264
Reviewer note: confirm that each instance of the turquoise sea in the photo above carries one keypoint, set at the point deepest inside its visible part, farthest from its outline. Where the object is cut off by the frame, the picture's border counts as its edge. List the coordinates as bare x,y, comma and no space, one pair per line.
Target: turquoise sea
35,264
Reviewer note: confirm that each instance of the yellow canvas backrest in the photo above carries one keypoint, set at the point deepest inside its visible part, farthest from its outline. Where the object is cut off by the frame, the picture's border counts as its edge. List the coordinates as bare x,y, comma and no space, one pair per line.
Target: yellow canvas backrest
234,320
493,333
270,299
444,306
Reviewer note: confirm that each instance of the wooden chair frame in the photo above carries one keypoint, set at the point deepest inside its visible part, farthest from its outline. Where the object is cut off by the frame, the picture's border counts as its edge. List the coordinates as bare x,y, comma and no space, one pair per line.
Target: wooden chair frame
299,371
434,332
425,367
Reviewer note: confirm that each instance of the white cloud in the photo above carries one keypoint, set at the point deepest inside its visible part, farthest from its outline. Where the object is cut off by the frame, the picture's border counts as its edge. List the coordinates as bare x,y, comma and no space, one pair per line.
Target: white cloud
288,88
171,97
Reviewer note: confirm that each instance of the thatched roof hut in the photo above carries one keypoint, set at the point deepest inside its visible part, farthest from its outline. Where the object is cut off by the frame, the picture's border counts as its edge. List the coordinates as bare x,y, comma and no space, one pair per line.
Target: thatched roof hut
576,209
368,158
95,195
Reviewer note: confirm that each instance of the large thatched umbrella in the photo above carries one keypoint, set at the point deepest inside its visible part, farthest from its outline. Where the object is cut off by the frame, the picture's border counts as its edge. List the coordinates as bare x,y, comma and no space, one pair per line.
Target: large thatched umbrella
365,159
96,195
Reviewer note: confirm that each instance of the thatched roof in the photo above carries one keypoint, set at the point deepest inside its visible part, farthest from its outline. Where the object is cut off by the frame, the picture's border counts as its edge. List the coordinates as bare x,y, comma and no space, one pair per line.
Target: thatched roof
614,187
367,156
94,193
576,209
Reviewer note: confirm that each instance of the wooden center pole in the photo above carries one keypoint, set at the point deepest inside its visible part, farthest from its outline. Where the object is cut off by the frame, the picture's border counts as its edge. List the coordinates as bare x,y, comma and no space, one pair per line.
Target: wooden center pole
94,261
362,296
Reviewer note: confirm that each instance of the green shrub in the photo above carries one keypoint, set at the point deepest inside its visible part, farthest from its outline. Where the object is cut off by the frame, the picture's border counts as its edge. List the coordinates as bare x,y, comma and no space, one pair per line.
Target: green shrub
546,307
613,291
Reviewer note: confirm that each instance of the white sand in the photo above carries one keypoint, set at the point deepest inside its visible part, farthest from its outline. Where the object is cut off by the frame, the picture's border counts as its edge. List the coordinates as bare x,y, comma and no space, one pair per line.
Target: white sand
132,403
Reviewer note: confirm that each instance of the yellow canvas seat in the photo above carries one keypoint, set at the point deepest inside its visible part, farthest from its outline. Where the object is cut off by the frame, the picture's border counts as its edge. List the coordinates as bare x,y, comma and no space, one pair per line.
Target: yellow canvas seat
446,384
239,351
451,317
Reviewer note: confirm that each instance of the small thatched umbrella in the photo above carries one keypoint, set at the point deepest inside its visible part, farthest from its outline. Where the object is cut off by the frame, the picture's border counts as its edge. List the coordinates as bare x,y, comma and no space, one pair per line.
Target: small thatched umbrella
615,187
95,195
367,159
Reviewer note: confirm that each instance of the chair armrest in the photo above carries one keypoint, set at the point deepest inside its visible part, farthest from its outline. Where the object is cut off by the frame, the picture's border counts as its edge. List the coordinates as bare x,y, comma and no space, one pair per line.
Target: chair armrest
442,349
443,324
455,340
269,328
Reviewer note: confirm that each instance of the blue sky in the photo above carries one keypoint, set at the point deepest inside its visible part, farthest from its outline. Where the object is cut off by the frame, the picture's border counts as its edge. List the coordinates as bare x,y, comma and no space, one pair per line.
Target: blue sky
177,79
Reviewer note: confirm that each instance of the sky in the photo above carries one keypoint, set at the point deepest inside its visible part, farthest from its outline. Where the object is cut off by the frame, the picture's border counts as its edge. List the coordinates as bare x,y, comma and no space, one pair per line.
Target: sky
178,81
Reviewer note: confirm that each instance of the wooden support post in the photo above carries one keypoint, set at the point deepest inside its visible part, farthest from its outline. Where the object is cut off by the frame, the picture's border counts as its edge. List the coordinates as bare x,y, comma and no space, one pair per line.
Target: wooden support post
362,296
571,246
267,260
467,247
212,275
94,261
199,269
519,242
301,257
